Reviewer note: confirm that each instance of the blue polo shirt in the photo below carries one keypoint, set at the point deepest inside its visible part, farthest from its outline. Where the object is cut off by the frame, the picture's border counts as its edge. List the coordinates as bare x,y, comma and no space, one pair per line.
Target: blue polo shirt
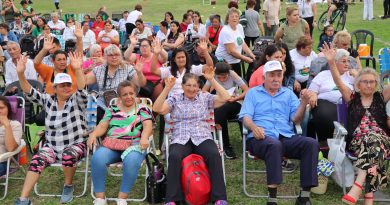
273,113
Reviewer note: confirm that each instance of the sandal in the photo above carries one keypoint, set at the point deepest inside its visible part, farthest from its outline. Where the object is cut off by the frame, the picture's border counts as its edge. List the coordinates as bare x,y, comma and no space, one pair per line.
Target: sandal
349,199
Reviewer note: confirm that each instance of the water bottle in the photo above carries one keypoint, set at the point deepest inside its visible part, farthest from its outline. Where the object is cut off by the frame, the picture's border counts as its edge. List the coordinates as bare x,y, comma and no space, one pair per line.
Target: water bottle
189,35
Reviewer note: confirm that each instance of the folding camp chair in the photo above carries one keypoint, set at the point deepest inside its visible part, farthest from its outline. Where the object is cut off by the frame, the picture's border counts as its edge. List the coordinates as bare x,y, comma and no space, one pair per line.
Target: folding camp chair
17,106
342,111
152,148
217,137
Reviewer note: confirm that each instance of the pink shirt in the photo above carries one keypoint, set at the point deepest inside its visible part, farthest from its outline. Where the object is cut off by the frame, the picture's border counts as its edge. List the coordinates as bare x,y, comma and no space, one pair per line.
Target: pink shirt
257,77
147,68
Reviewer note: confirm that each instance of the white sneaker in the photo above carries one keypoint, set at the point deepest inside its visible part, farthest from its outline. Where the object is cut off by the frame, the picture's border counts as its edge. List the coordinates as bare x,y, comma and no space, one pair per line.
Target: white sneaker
99,201
121,202
326,23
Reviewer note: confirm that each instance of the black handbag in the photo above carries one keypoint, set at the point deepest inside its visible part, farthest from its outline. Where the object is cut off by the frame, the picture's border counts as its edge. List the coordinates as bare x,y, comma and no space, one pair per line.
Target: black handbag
156,181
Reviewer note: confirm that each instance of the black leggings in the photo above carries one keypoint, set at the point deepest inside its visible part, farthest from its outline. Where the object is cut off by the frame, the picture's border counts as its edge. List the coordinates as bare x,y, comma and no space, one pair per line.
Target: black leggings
250,41
386,8
57,4
309,21
323,116
129,28
224,113
236,67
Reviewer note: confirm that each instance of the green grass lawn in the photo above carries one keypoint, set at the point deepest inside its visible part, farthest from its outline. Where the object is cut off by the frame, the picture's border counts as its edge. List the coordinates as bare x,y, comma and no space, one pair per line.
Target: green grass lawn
154,10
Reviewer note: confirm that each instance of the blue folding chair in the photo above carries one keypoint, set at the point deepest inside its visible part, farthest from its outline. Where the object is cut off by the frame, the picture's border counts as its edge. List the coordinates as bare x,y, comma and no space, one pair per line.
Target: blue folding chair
384,65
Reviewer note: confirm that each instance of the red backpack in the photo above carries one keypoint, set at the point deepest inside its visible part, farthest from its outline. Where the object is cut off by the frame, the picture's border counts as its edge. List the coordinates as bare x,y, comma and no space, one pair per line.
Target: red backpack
195,180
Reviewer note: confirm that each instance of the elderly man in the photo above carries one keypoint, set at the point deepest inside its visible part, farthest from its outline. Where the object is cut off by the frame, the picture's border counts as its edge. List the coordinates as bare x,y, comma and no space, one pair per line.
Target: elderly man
11,75
56,24
269,112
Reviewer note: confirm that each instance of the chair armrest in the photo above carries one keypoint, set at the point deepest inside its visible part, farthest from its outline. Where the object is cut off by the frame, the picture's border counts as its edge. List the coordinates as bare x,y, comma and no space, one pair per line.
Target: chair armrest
340,128
7,155
298,129
245,130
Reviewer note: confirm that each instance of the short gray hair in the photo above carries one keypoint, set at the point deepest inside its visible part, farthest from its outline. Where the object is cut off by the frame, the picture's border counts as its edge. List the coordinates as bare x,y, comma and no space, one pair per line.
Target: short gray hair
54,14
367,71
13,43
340,53
111,49
93,48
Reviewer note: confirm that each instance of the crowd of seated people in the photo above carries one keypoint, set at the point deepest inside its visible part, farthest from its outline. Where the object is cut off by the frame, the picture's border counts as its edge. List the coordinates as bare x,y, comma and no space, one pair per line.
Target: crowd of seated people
184,84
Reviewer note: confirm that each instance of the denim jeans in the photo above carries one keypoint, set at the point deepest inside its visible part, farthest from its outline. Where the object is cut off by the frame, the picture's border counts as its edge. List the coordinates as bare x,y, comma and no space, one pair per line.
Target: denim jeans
104,156
3,168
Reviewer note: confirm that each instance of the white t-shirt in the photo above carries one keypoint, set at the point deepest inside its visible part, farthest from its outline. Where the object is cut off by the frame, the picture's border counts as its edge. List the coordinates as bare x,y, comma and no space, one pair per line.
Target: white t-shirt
56,26
69,33
133,16
305,8
177,89
302,64
273,8
325,87
228,35
160,35
112,34
201,33
147,32
88,39
11,75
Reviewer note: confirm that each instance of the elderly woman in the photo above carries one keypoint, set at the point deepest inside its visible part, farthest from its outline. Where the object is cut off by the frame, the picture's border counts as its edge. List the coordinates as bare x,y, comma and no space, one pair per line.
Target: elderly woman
230,81
327,95
196,29
175,38
301,56
108,36
64,139
191,132
293,29
213,31
56,25
153,85
10,132
231,42
95,58
368,133
126,127
109,75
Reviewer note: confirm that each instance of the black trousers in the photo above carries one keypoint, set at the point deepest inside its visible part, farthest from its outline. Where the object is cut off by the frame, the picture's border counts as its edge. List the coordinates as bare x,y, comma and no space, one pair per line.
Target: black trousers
209,151
386,8
226,112
129,28
323,116
250,40
236,67
310,20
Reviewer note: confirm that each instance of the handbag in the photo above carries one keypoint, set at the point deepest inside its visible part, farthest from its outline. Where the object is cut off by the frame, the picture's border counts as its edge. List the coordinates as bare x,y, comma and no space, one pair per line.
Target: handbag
108,95
338,156
156,181
116,144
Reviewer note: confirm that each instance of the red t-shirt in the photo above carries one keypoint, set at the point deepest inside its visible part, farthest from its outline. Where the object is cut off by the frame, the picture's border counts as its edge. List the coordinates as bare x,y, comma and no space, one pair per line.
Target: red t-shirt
183,27
214,34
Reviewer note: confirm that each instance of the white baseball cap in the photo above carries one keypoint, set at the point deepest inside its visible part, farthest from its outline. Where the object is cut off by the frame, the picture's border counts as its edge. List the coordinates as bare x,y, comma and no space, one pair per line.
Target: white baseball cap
272,66
62,78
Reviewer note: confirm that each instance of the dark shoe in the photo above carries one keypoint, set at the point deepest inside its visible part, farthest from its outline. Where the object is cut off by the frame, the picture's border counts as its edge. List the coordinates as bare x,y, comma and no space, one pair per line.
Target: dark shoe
303,201
229,153
288,165
26,202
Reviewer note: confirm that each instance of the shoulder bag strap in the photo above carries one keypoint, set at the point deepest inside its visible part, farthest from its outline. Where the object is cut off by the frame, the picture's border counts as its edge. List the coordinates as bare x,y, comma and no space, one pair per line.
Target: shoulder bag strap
105,77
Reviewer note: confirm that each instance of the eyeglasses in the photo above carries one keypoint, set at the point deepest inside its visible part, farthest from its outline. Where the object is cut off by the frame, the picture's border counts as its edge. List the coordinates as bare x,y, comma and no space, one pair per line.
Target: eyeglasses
368,82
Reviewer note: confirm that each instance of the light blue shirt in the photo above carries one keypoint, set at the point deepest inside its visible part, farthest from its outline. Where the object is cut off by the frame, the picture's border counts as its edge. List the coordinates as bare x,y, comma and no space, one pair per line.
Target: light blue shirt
273,113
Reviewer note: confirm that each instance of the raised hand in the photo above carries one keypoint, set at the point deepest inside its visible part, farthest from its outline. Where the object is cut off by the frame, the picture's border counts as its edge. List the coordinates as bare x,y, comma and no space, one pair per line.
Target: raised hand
208,73
78,32
139,66
133,40
156,45
170,82
203,45
76,60
21,64
48,42
329,52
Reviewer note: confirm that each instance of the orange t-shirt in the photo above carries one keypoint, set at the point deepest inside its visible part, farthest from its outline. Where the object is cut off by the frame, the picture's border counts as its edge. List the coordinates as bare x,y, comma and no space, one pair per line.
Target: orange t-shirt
46,73
257,77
